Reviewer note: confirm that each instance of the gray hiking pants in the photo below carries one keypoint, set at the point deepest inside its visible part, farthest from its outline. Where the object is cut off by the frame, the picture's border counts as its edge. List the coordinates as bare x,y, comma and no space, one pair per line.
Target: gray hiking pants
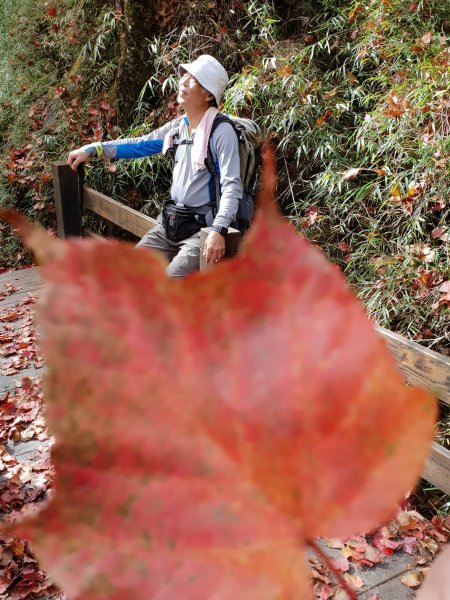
183,257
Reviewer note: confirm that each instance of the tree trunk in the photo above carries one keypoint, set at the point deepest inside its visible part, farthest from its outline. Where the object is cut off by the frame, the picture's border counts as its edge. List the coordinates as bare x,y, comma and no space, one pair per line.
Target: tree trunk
139,25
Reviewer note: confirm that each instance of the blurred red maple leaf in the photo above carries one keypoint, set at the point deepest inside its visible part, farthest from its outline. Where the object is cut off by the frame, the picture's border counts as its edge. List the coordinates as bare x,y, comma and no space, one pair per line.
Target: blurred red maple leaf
437,580
208,429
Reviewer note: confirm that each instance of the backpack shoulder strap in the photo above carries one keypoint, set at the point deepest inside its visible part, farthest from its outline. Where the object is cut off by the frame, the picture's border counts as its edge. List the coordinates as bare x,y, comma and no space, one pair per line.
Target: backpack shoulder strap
210,161
175,133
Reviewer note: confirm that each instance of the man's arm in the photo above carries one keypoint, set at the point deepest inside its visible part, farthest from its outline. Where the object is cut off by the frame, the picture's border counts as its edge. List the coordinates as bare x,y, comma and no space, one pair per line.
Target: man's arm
138,147
225,146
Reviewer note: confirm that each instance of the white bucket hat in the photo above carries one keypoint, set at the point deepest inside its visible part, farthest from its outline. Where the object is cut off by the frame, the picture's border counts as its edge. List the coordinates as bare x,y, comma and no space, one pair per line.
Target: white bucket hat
209,73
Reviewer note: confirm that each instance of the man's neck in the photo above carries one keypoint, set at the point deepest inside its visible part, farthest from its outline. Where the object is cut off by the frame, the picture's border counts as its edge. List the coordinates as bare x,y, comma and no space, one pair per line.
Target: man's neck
194,117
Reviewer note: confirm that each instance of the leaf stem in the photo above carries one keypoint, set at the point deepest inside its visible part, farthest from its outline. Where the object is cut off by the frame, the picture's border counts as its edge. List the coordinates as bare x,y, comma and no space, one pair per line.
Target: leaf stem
326,559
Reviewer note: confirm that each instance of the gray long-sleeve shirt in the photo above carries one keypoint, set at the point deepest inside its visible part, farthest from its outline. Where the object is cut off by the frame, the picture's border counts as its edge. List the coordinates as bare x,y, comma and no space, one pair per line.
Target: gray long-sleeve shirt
188,187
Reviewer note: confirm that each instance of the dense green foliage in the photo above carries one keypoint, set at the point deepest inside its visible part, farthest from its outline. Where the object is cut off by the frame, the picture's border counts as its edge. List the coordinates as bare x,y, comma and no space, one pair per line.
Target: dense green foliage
355,96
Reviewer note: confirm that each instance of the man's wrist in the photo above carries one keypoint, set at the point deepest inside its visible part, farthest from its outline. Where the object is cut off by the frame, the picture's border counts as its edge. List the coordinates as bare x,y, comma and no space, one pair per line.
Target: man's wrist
218,229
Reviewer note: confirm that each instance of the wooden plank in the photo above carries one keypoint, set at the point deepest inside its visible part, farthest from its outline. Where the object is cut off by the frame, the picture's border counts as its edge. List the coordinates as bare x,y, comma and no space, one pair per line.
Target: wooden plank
23,283
19,297
419,365
437,468
92,234
27,281
118,213
19,275
392,588
67,185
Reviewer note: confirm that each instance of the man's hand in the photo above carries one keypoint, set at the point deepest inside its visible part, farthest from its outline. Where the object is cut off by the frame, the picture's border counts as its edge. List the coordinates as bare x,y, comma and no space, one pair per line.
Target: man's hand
214,247
76,157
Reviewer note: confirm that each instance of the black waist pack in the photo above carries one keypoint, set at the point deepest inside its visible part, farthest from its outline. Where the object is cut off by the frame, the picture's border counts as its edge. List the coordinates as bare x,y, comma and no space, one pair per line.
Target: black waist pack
180,222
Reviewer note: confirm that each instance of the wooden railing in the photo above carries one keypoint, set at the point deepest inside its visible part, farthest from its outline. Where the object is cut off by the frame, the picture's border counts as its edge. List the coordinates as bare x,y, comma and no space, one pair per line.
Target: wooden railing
72,197
419,366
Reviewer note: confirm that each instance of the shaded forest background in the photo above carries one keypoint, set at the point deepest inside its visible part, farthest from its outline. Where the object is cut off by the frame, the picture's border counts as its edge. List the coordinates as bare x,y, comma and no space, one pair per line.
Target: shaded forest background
355,96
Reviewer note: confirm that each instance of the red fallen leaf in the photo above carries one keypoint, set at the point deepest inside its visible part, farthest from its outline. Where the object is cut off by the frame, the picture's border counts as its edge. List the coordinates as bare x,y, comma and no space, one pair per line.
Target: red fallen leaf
438,206
355,549
72,37
354,12
408,520
324,118
341,564
51,11
10,317
285,71
18,548
46,177
355,581
189,418
444,298
440,233
426,38
326,592
334,543
371,556
344,247
351,174
409,544
386,546
312,214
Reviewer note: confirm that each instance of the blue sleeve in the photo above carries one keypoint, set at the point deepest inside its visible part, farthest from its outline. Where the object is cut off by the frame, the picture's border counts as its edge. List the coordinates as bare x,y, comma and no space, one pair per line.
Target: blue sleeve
130,148
137,148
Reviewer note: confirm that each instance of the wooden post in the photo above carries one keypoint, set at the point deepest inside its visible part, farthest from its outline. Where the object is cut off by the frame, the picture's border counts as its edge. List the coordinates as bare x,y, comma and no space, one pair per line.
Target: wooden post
68,188
232,241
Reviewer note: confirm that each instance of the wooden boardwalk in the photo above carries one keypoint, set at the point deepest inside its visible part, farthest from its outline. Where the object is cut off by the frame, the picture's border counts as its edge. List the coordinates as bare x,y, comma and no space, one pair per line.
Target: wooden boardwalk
382,579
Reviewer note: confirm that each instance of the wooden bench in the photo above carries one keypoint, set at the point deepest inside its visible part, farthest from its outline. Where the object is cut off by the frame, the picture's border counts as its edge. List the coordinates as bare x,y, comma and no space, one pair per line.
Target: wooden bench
418,365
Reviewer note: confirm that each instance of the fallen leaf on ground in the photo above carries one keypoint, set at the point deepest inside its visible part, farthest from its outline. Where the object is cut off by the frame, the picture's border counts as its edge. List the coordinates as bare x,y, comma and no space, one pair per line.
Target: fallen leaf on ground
412,579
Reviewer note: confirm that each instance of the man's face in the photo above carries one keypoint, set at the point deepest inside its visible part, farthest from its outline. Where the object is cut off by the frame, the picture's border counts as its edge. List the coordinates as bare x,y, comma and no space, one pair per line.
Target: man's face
191,95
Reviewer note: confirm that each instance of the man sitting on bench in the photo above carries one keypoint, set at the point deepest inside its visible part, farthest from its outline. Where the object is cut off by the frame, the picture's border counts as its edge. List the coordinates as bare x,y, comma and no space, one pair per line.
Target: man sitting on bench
177,235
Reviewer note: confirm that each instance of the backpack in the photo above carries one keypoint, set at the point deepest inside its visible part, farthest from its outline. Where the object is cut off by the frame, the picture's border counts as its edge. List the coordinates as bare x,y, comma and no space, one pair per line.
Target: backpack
249,138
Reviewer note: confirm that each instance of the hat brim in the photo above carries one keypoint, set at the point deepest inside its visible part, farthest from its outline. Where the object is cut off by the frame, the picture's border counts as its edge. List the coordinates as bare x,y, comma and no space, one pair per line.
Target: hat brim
182,69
